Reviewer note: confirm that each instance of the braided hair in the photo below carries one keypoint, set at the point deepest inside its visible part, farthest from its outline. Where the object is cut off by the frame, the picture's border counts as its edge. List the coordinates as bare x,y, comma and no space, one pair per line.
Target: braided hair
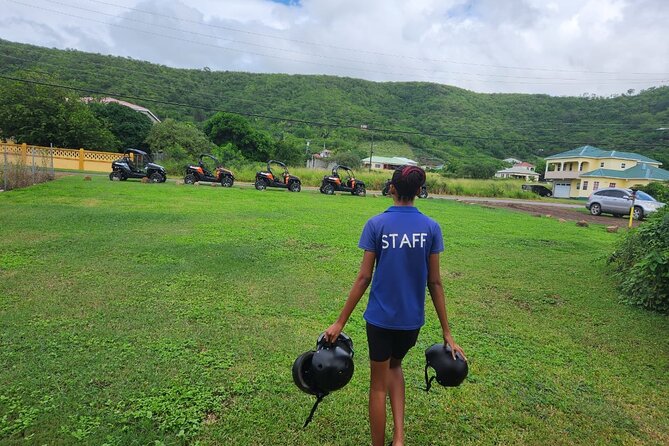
407,181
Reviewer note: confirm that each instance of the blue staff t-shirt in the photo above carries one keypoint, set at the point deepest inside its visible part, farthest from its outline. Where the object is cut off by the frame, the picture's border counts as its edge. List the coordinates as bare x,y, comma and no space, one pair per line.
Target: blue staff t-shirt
403,239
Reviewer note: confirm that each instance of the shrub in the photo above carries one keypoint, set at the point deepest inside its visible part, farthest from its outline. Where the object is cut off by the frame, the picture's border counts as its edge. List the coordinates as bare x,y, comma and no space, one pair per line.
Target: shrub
658,190
641,264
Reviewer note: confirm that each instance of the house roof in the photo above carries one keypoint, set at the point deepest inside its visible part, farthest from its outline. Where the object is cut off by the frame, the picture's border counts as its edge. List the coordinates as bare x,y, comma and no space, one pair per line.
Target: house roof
138,108
641,171
394,160
594,152
523,164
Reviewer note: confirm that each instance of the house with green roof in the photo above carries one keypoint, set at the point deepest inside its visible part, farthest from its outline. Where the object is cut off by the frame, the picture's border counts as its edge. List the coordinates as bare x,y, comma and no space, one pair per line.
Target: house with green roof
578,172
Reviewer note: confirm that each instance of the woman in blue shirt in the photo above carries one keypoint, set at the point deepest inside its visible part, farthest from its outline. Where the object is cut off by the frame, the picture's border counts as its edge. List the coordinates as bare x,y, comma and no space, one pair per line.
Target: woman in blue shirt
404,245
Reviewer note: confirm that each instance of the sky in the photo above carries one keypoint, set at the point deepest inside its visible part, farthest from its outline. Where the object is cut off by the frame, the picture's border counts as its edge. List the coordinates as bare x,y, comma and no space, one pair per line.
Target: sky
556,47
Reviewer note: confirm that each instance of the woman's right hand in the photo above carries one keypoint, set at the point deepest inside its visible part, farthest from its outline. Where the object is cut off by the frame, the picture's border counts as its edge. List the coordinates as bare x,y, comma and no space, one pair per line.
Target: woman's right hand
332,332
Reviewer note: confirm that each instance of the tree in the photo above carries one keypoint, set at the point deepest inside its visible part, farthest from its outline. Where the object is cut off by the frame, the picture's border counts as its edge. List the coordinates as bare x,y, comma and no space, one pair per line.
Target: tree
130,127
43,115
224,128
178,141
349,159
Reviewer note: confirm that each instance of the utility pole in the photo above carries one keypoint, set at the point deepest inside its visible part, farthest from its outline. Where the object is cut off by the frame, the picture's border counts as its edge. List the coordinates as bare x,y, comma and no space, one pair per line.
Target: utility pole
371,152
371,148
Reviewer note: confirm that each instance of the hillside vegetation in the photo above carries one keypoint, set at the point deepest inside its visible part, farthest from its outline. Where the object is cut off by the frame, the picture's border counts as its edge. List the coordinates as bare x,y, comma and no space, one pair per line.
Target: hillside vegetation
467,125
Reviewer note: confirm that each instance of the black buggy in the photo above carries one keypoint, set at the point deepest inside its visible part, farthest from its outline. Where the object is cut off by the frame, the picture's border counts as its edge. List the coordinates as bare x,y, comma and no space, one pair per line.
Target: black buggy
137,164
268,178
333,183
209,169
422,193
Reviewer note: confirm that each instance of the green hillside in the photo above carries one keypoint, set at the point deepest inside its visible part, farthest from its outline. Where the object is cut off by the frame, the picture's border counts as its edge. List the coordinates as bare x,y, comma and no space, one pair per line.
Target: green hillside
426,119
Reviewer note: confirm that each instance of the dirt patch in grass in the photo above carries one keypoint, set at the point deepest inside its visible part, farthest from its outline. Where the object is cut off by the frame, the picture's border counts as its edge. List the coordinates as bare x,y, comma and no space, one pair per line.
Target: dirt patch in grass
558,213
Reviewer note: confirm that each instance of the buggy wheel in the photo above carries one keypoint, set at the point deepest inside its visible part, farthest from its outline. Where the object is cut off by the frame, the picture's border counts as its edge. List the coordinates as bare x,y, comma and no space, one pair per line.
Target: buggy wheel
385,191
637,213
116,176
261,184
360,190
295,186
423,192
157,177
227,181
190,179
328,189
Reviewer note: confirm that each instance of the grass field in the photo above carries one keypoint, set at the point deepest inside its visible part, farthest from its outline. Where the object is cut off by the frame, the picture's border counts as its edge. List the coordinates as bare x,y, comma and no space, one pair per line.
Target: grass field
160,314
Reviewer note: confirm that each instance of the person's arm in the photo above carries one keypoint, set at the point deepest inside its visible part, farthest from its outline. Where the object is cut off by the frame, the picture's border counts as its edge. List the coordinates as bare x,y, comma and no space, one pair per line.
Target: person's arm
357,290
437,293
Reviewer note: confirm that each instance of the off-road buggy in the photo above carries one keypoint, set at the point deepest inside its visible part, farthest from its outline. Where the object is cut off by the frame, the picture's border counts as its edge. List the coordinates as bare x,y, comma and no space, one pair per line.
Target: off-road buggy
333,183
201,171
268,178
137,164
422,193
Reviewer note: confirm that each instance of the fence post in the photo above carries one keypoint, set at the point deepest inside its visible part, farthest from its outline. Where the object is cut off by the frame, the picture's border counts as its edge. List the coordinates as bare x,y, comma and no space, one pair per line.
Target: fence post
81,159
4,171
24,153
53,172
32,153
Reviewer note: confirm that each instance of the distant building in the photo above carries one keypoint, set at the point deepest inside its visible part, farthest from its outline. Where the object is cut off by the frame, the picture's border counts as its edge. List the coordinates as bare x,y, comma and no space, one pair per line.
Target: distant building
512,161
386,162
521,173
321,160
138,108
578,172
520,170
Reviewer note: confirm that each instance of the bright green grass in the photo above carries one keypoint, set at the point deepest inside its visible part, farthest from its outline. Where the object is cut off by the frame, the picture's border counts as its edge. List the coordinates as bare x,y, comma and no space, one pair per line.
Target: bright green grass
138,313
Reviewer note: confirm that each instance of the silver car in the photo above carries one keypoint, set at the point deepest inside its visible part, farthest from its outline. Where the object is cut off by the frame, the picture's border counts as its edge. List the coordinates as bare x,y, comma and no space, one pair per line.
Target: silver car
618,201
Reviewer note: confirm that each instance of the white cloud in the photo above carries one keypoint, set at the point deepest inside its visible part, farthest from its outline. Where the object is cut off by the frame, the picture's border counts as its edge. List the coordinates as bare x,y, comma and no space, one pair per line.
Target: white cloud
569,43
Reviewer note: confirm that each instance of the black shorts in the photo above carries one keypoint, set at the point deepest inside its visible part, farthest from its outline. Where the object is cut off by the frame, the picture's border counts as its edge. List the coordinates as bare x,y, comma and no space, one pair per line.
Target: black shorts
385,343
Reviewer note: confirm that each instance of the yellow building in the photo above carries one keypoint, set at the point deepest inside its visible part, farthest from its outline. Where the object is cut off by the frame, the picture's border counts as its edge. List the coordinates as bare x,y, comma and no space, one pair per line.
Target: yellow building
577,173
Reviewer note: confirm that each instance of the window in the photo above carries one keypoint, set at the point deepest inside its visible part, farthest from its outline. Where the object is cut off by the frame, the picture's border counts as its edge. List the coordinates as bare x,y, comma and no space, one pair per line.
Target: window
601,164
585,185
617,194
570,166
612,184
578,186
595,185
558,167
622,165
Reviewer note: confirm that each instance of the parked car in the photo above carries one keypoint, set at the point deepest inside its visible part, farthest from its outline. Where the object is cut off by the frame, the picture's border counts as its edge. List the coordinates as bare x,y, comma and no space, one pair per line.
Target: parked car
538,189
200,172
618,201
334,182
137,164
269,178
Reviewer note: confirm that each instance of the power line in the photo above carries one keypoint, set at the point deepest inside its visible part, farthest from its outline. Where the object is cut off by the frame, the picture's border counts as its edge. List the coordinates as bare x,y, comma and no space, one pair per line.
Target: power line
569,81
363,51
256,102
309,122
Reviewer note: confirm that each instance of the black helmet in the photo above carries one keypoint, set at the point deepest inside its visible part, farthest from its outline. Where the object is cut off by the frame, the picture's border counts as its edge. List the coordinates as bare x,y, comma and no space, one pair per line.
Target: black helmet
328,368
332,364
449,372
302,373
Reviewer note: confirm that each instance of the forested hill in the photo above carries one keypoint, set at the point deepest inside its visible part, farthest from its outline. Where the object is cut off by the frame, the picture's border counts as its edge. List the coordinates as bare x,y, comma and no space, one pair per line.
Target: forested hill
436,120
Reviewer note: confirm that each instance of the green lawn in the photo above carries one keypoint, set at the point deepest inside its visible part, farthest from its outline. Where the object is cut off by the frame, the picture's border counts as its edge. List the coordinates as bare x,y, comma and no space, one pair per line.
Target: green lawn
161,314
